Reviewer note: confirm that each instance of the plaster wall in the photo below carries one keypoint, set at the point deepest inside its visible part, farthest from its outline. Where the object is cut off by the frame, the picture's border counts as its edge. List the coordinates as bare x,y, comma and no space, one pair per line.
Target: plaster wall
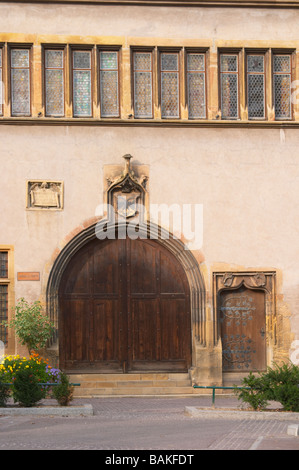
246,180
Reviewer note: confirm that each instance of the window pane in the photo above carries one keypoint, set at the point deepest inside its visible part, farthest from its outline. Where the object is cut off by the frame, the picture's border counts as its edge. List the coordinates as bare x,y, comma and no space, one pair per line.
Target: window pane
255,86
169,62
282,86
54,78
109,84
282,63
1,85
143,95
229,96
108,60
255,63
196,86
169,86
256,94
82,83
3,263
20,82
229,83
3,312
229,63
81,60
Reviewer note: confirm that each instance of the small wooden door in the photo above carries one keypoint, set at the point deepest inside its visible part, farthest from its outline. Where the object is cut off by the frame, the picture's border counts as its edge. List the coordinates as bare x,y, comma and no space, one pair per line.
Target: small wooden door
124,306
243,329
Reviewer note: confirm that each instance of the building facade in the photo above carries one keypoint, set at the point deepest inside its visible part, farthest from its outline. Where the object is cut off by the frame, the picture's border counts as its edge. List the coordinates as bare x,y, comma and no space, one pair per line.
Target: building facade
200,98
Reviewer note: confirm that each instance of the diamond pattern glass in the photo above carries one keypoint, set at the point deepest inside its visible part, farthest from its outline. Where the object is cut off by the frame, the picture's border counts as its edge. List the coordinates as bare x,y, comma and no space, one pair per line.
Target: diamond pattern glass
109,84
282,63
3,264
255,63
256,96
54,82
255,86
20,82
169,86
3,312
229,63
82,83
229,83
143,93
1,85
196,86
282,86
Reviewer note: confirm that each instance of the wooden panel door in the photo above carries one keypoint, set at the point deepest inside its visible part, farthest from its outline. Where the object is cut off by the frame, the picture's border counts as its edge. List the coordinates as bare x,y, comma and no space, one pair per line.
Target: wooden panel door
243,328
124,306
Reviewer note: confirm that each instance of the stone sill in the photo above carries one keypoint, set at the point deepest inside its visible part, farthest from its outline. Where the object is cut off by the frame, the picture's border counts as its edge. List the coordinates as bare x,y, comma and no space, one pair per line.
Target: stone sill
175,3
27,121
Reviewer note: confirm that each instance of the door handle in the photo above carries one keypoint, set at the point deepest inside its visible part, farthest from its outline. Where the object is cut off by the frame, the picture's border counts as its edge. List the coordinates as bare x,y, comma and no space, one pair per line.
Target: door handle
262,332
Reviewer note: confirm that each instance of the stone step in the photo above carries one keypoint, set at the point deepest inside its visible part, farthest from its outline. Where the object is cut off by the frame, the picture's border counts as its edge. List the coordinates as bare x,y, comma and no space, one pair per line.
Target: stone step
92,385
128,377
140,391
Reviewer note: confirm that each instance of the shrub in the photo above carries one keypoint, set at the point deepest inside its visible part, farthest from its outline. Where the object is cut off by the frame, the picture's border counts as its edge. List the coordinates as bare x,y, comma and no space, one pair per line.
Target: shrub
253,393
4,394
63,392
32,327
26,389
280,384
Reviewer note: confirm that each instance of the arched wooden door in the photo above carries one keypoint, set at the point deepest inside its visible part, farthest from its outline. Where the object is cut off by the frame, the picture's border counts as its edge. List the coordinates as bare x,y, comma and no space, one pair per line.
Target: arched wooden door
124,306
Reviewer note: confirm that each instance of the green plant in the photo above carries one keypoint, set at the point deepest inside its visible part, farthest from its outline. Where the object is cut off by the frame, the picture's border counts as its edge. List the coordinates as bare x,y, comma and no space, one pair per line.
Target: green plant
4,393
32,327
26,389
280,383
63,392
253,392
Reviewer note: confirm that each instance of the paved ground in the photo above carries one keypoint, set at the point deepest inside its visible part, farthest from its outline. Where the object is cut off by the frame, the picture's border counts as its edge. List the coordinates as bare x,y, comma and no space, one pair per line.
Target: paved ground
151,424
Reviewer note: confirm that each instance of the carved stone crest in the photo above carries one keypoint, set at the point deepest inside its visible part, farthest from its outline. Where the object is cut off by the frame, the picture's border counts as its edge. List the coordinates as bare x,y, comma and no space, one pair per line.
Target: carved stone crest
126,193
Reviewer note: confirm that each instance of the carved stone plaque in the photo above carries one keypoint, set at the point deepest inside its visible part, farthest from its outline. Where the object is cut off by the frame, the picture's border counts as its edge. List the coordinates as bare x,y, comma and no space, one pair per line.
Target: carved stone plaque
46,195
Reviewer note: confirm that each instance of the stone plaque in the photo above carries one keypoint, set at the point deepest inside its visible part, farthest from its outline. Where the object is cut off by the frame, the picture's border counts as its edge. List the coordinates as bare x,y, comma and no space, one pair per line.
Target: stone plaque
45,195
28,276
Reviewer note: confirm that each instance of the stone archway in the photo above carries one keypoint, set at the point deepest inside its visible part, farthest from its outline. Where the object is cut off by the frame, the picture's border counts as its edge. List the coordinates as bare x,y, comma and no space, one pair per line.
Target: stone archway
172,245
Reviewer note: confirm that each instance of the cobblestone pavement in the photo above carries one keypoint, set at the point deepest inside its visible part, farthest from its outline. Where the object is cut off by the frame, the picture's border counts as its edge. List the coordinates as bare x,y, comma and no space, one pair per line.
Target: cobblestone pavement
135,424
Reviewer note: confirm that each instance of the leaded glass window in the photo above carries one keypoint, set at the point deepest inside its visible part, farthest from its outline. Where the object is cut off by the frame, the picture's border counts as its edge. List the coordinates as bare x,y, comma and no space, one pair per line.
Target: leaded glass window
54,82
1,83
170,85
282,86
20,82
256,86
3,311
196,85
229,86
82,83
3,264
109,88
143,85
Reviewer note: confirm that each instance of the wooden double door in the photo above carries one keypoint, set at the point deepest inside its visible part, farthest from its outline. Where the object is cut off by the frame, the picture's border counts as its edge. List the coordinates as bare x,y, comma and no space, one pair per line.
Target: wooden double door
124,306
